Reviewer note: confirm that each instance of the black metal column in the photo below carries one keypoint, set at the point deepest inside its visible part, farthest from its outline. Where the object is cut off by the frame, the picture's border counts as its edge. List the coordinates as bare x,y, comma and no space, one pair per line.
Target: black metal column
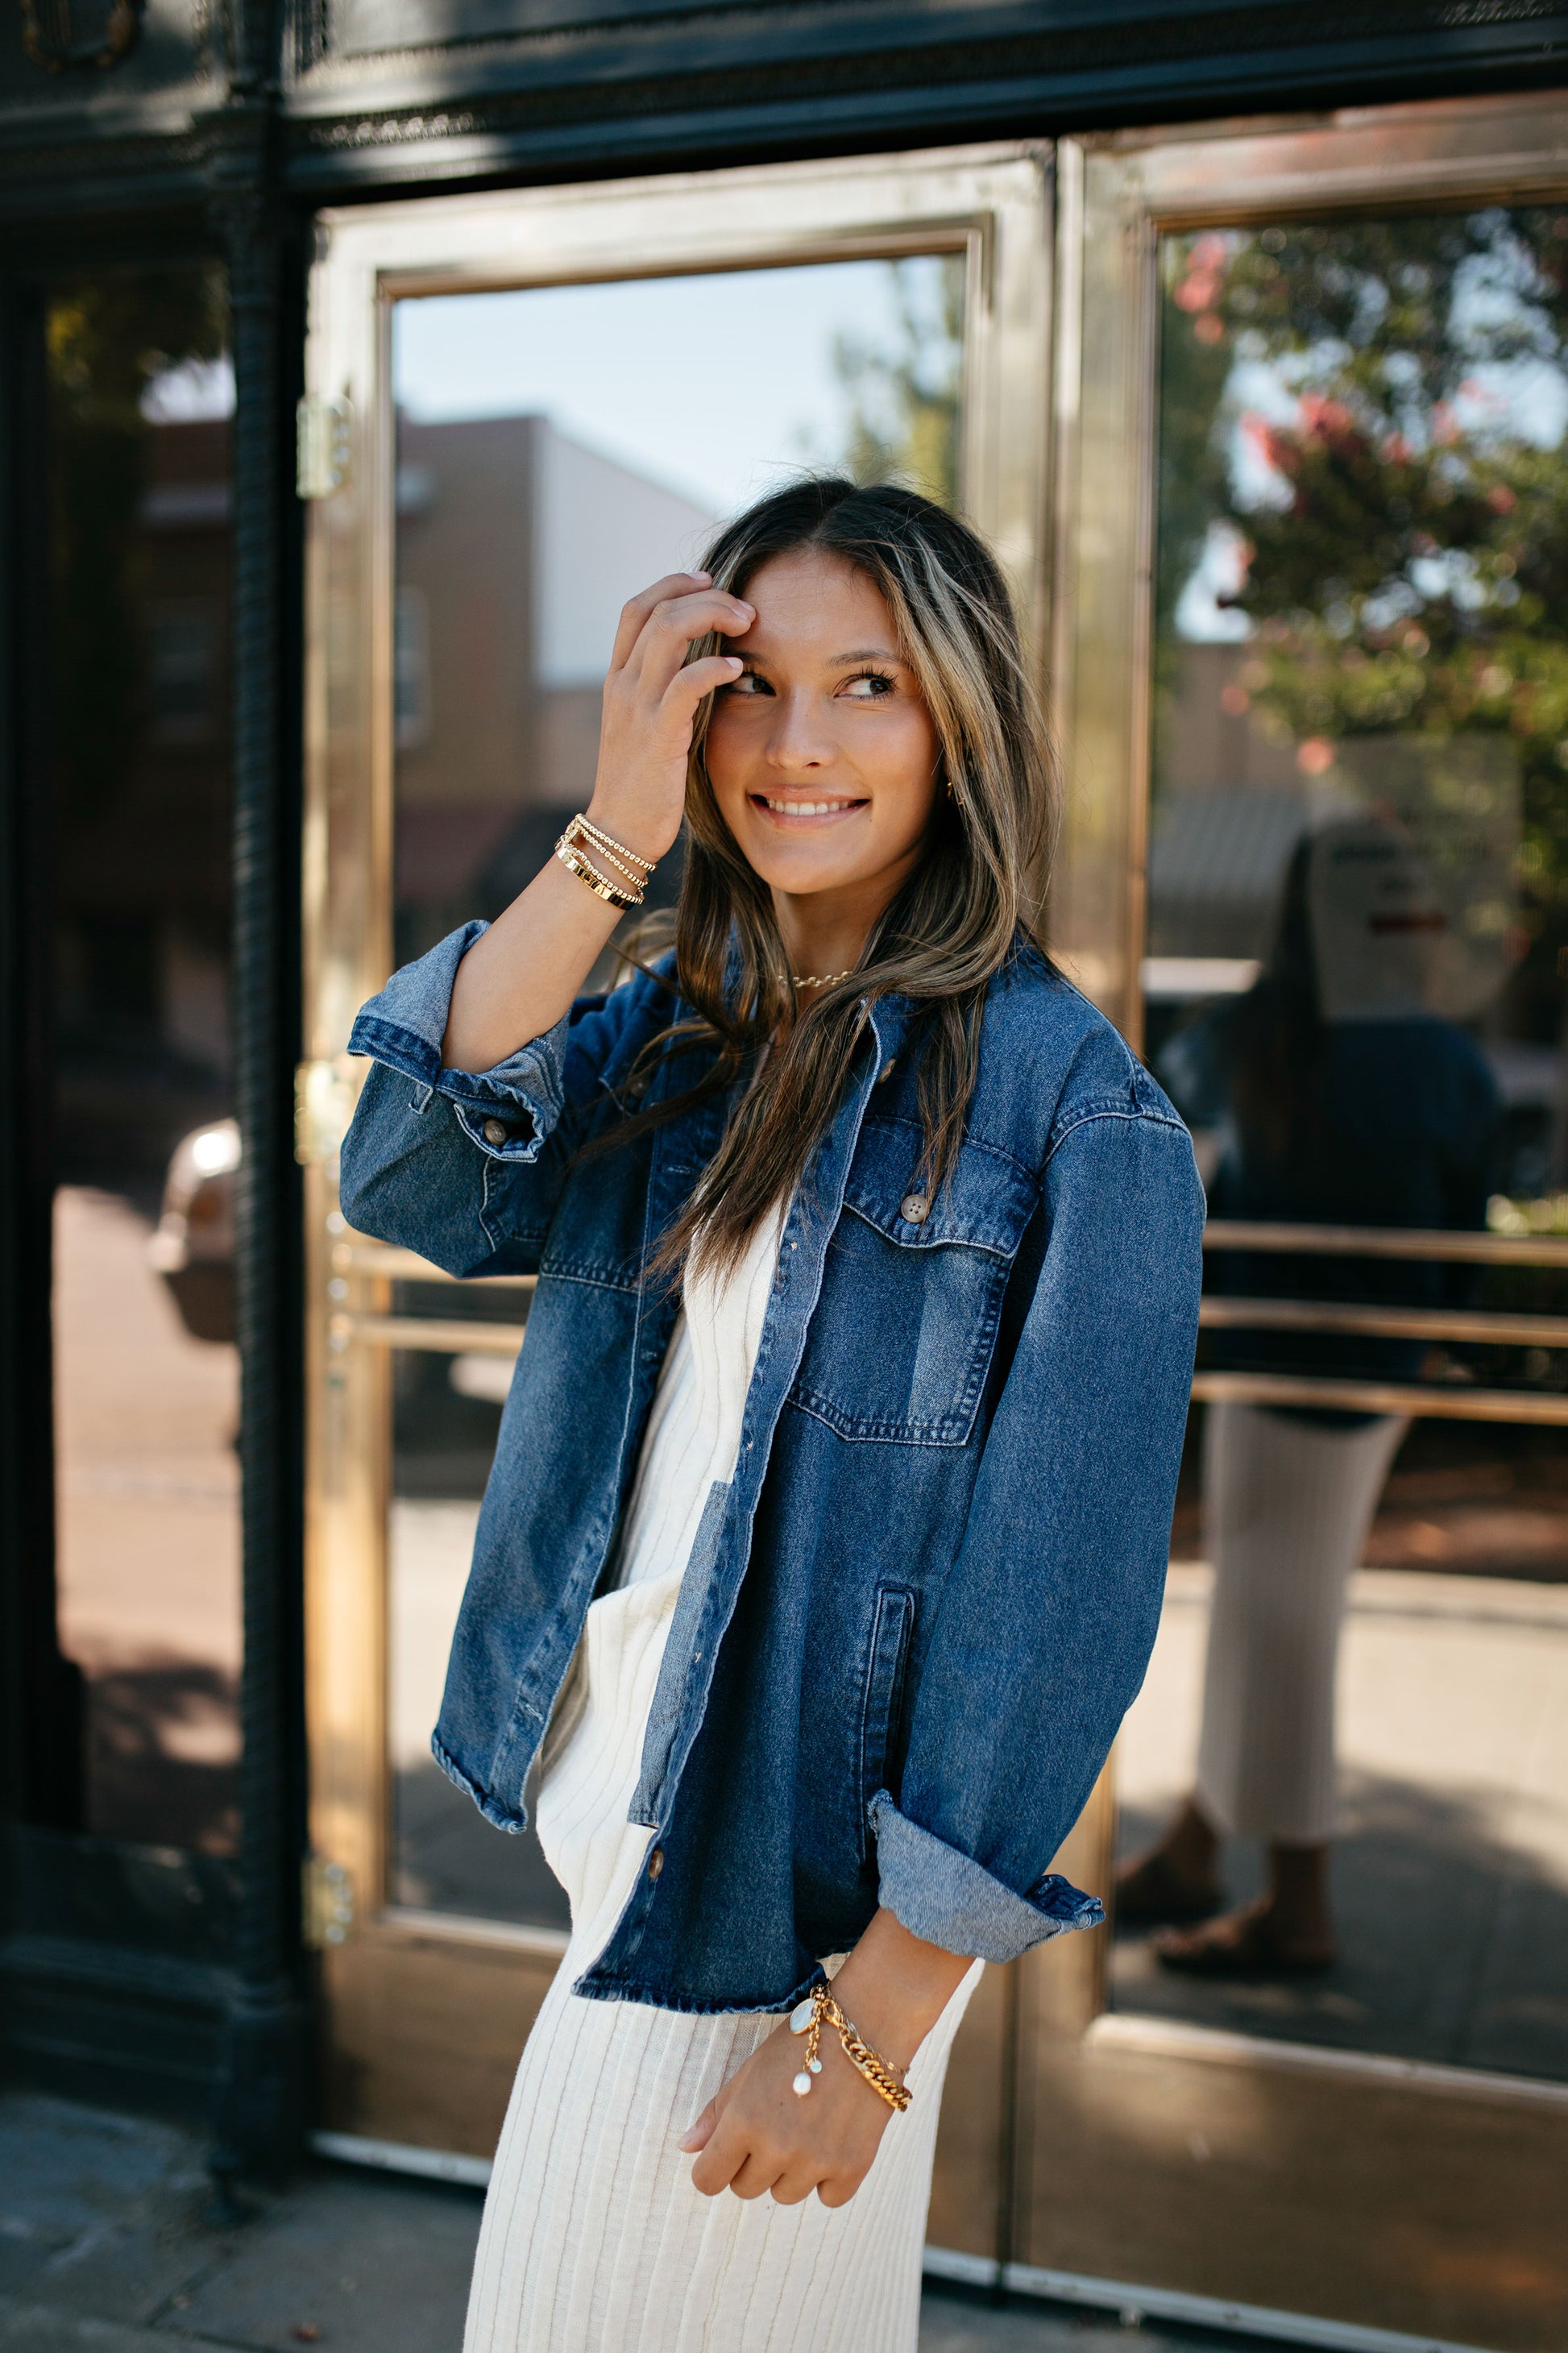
260,2105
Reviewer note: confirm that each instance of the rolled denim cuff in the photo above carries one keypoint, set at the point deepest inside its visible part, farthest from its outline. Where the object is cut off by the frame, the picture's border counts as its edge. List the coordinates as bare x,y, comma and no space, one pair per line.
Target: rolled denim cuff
506,1112
954,1902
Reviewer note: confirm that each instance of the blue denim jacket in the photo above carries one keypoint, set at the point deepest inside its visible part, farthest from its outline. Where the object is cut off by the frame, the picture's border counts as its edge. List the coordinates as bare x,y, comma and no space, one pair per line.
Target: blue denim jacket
912,1622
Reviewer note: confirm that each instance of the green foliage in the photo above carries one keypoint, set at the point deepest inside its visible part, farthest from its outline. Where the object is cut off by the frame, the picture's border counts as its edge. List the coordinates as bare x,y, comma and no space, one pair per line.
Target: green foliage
903,414
1403,536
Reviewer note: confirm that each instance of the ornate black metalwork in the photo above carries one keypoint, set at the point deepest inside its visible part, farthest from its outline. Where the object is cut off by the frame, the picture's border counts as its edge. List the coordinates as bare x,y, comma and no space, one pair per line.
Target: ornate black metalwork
260,2099
50,39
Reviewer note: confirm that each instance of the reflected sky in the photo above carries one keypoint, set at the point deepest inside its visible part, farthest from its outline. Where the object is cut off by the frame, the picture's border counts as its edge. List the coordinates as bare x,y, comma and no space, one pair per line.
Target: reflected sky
683,379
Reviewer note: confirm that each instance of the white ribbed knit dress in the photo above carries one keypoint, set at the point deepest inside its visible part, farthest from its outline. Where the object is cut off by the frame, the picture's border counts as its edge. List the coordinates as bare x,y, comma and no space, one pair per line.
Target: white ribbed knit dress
594,2239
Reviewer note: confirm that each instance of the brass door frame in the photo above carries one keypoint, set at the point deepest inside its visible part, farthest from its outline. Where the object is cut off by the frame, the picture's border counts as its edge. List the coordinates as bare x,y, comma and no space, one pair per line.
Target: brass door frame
1373,2194
424,2014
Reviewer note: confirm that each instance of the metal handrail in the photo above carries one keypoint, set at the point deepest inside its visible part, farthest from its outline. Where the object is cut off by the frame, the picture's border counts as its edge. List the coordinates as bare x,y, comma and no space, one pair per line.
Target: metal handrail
1431,1401
1387,1241
406,1266
1217,1312
442,1335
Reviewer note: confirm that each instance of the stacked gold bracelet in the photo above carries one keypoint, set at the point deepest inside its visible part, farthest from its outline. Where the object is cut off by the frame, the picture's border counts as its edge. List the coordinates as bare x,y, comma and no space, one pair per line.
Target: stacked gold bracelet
808,2017
587,852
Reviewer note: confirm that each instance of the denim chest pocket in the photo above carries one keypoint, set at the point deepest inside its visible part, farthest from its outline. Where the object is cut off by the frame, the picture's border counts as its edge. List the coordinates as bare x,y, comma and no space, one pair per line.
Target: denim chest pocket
906,1325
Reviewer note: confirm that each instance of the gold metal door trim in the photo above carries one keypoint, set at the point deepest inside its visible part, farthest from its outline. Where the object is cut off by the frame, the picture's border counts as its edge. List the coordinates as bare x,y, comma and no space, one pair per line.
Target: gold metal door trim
508,1936
1104,2178
993,202
1220,2047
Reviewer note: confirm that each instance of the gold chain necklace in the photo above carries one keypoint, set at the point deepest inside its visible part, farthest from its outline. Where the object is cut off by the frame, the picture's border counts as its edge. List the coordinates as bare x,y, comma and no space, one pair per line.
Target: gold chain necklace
819,979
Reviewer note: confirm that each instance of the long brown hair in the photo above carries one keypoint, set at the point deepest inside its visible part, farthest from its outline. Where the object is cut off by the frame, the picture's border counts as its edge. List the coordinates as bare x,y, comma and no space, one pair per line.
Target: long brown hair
948,931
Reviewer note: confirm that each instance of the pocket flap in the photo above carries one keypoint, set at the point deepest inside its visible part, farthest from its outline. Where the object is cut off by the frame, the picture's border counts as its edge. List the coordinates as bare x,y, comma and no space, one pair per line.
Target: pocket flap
986,1200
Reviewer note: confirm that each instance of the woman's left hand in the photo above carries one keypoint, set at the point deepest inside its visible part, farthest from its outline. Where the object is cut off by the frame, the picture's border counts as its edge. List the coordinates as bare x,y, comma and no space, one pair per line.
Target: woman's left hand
760,2134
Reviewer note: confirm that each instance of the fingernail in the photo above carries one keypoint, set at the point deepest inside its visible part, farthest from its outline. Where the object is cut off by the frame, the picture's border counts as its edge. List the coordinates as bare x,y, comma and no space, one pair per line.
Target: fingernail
701,578
687,2139
734,662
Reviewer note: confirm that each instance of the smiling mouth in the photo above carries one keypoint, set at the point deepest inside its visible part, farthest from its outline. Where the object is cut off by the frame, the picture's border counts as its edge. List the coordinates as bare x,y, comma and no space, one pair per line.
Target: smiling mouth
796,807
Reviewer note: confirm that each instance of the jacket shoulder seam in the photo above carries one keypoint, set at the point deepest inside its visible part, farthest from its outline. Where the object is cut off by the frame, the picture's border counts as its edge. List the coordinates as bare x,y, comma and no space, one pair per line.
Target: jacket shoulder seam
1119,1108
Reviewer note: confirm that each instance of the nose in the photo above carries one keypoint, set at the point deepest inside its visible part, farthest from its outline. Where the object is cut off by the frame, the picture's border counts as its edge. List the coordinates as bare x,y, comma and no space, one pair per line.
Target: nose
797,740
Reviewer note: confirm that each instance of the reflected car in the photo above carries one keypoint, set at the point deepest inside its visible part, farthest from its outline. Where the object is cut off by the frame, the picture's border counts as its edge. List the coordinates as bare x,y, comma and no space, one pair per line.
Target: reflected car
193,1246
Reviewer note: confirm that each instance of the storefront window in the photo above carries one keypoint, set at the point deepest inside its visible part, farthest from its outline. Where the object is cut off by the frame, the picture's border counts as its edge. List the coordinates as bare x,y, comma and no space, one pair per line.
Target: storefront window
558,449
131,898
1356,990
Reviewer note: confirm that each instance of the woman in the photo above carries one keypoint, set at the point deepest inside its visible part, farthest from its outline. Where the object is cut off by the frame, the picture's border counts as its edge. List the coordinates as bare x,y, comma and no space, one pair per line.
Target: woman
854,1389
1342,1099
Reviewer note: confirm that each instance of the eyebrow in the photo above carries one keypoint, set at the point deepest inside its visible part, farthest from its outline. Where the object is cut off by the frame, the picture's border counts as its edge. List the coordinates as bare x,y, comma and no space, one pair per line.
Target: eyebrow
836,661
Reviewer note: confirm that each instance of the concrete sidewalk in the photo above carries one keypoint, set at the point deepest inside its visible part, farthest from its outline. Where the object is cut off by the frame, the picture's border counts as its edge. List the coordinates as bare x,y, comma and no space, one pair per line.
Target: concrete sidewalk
103,2250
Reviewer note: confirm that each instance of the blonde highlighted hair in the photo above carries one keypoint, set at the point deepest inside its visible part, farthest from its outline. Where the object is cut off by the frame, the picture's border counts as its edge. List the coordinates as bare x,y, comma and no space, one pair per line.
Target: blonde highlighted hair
950,930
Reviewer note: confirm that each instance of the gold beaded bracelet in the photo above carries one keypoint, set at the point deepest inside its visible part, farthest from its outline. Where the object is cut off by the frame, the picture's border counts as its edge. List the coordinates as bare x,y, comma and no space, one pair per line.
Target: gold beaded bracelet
807,2018
630,861
582,844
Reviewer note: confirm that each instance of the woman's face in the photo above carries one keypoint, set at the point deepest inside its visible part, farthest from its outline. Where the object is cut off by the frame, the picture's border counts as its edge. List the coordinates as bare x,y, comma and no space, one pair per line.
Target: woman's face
823,756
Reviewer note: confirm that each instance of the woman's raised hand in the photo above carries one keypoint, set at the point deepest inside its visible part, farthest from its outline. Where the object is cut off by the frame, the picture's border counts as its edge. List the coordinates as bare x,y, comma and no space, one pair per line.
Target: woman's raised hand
652,697
522,975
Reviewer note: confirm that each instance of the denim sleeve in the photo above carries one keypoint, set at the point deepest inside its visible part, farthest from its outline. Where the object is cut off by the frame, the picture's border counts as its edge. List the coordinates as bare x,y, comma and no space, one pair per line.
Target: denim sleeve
467,1167
1043,1629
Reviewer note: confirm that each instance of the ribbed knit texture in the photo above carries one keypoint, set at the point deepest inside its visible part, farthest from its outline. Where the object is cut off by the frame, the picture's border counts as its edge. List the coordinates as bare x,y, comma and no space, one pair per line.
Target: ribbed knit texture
1286,1505
594,2239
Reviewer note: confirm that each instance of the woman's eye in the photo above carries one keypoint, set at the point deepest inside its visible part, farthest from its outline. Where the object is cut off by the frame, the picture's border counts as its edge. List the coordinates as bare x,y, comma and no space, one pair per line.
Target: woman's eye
748,683
868,686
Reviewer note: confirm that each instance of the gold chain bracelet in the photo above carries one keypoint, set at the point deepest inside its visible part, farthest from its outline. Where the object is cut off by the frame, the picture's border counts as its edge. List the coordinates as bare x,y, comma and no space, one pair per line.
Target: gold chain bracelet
807,2018
573,859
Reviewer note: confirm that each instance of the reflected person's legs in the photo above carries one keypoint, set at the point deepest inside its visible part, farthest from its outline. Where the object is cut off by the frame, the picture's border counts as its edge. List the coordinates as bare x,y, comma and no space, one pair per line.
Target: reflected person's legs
1287,1504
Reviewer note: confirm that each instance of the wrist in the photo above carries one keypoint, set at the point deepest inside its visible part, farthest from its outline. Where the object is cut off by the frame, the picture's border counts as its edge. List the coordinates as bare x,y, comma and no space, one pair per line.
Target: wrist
895,1987
630,827
894,2024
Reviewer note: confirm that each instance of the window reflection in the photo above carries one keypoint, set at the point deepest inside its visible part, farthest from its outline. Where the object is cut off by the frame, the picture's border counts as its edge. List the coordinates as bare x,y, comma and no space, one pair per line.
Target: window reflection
558,449
1355,990
133,902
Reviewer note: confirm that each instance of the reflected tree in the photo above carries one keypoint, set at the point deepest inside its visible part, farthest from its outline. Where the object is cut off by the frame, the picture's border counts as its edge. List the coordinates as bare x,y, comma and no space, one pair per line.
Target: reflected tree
903,394
1365,426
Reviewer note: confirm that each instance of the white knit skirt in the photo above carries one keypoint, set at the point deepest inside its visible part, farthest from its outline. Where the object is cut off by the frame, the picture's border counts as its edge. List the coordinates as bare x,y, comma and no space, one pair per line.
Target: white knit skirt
1287,1506
594,2239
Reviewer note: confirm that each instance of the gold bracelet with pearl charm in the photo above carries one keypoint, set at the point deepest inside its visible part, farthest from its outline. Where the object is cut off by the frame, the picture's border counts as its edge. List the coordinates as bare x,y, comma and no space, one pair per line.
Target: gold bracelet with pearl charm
808,2019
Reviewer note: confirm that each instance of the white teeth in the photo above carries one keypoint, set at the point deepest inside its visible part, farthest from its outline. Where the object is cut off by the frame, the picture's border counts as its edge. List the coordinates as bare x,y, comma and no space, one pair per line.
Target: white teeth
805,809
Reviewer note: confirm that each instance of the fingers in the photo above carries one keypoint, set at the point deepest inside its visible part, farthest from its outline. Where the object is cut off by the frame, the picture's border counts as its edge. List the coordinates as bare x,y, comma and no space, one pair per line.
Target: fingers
661,644
636,609
694,680
698,2135
754,2178
794,2187
838,2188
719,2164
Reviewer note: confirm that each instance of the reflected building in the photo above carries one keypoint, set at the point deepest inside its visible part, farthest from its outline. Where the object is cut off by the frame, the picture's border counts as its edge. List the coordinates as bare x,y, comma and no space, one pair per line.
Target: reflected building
517,546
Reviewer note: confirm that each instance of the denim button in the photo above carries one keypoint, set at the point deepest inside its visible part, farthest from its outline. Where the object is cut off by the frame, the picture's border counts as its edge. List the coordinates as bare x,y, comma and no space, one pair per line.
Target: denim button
655,1862
914,1209
494,1131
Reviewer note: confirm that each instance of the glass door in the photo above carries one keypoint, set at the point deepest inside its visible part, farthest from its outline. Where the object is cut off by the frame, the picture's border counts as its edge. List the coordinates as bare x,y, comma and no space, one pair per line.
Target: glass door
523,408
1325,767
